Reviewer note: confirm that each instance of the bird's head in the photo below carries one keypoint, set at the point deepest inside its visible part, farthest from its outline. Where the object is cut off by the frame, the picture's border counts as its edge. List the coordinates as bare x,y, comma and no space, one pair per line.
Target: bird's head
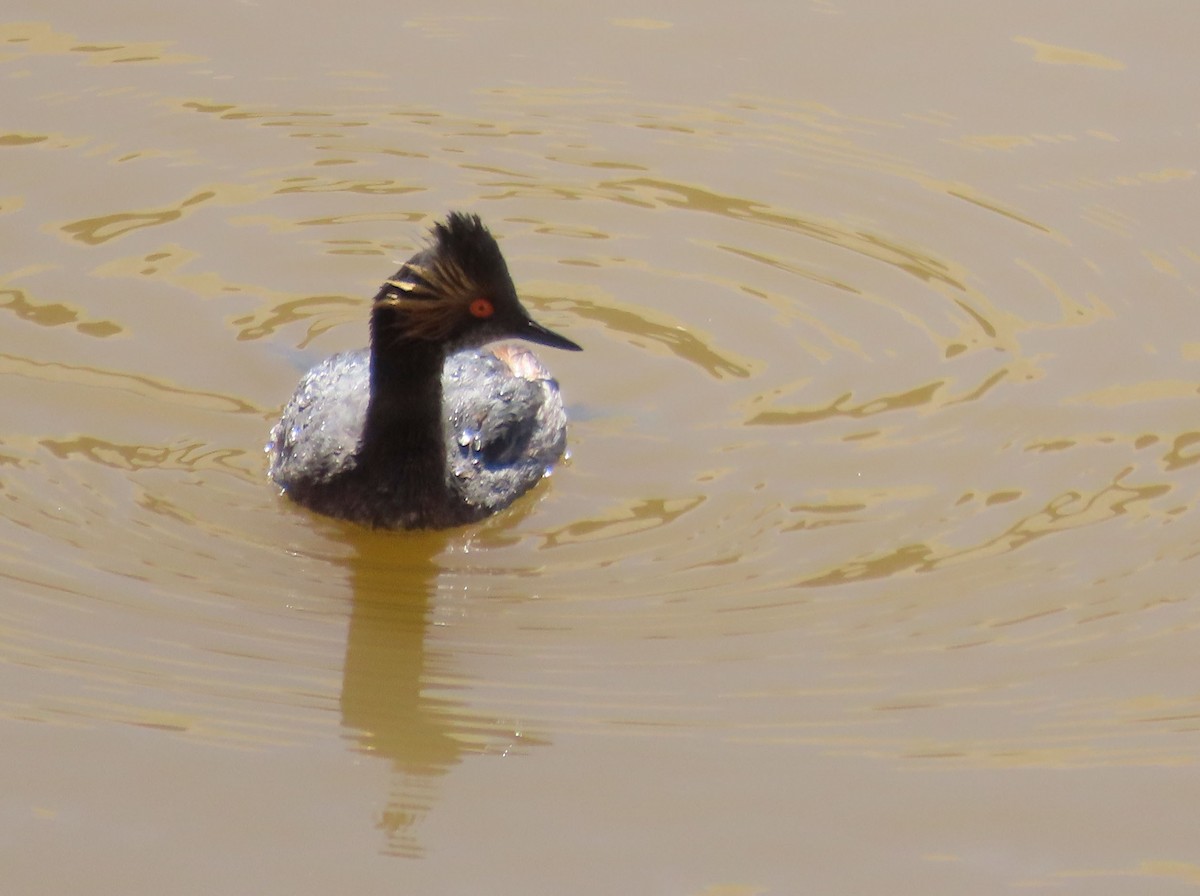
456,292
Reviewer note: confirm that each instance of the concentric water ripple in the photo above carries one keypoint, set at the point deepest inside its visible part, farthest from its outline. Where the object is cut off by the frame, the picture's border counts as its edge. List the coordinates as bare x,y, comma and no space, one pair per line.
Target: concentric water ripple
790,400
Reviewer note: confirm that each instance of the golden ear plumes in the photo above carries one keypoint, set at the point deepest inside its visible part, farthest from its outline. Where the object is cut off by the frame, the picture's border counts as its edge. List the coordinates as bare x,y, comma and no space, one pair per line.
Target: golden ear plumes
430,297
433,302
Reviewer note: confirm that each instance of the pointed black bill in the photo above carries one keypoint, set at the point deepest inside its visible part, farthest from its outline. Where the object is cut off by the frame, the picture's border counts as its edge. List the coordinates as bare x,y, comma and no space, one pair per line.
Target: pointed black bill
535,332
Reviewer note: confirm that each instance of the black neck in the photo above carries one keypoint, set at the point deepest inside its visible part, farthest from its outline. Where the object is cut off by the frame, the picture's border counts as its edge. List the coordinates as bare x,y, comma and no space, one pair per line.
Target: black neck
403,432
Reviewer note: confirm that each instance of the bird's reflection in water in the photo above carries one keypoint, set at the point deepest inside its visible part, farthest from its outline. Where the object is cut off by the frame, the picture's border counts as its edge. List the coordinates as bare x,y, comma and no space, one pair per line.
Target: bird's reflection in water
391,705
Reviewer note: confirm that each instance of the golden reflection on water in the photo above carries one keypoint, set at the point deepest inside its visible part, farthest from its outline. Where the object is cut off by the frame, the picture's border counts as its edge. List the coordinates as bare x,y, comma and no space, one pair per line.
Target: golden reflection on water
652,192
1056,55
326,312
840,407
193,457
134,384
29,38
54,314
1067,511
688,345
102,229
1183,452
642,516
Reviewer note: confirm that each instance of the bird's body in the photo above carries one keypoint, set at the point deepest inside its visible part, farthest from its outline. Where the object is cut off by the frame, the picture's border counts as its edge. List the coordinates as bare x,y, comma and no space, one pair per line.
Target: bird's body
426,429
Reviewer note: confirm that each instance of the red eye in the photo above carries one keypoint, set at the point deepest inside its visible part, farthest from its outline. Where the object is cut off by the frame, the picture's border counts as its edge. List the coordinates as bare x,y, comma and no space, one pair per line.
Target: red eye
482,308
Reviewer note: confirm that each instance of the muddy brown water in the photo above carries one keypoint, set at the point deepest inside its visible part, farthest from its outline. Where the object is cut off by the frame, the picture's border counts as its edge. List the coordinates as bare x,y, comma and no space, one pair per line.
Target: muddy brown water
873,569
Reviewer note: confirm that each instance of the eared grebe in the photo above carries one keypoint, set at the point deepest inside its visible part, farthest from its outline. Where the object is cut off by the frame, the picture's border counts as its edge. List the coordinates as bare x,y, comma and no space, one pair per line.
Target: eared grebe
425,429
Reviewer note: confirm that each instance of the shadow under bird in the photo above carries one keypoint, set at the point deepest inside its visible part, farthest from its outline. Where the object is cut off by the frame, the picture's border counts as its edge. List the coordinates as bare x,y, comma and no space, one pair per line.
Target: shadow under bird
426,429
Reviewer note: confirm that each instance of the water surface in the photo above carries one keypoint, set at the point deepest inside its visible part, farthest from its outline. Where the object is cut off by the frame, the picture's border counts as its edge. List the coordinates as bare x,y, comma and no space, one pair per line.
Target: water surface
871,568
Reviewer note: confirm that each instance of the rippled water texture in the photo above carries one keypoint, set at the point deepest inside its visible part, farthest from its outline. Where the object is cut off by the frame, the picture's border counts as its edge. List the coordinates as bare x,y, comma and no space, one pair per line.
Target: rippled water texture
871,569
